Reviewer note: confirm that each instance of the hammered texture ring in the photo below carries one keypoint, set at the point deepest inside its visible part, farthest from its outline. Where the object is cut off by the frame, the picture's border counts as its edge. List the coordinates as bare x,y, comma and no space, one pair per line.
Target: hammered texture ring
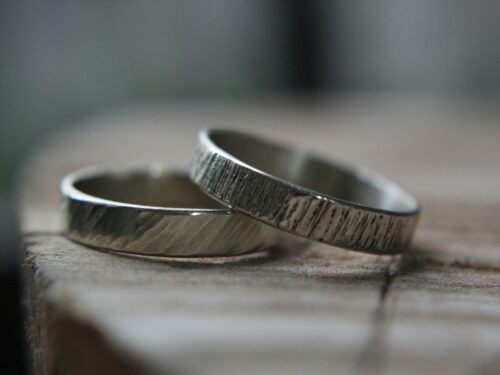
153,211
303,194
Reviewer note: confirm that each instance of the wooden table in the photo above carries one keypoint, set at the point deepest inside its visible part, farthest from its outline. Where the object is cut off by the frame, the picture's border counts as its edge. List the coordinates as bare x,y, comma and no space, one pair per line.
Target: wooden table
306,309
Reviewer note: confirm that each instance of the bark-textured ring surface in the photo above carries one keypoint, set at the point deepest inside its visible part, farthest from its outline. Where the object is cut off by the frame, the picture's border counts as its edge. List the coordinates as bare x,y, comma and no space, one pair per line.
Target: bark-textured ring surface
153,211
302,194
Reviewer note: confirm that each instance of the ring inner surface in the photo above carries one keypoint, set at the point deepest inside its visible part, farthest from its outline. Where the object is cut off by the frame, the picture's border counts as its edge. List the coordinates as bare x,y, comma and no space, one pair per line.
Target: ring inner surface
167,190
313,173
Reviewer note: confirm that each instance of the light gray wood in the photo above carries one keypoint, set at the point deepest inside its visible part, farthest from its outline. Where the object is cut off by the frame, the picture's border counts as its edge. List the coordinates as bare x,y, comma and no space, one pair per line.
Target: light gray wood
304,308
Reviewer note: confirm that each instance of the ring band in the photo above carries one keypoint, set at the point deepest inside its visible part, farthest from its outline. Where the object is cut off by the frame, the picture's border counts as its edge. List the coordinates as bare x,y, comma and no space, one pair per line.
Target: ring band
149,211
300,193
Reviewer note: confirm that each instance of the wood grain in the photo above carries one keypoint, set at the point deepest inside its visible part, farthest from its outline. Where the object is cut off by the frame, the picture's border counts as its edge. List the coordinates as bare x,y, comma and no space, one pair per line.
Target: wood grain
297,309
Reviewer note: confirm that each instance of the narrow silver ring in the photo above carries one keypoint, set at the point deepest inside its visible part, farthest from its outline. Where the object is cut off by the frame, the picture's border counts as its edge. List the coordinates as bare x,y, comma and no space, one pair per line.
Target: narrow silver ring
303,194
152,211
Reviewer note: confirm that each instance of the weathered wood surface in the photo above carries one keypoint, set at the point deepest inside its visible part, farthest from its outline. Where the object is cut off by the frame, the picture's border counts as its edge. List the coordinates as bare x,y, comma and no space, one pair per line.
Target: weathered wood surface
313,309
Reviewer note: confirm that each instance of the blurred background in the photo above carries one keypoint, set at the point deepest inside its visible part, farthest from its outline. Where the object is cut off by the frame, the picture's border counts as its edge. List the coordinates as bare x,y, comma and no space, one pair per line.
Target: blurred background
63,60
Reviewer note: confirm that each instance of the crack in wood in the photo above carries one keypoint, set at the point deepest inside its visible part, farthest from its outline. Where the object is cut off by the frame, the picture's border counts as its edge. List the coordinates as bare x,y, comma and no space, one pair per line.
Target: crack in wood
373,354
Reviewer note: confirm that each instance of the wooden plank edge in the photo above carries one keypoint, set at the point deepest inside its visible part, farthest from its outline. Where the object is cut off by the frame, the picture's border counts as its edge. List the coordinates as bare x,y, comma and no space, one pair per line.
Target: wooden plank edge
61,341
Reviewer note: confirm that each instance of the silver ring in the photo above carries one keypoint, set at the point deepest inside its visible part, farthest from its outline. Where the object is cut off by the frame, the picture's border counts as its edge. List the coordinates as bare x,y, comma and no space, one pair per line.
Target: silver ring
150,211
302,194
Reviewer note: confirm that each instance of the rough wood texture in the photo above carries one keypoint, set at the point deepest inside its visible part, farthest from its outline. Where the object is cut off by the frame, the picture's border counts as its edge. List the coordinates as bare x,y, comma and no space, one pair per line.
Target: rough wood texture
314,309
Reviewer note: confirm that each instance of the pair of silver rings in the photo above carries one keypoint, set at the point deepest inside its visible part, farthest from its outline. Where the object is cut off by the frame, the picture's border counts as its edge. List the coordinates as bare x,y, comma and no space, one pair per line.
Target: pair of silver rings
241,194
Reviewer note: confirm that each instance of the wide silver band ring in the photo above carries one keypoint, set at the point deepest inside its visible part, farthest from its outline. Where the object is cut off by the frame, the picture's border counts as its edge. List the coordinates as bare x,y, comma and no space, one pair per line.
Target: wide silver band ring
302,194
151,211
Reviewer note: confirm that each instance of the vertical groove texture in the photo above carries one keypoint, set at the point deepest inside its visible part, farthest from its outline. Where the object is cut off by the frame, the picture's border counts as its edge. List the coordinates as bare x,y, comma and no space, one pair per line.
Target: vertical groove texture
305,214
